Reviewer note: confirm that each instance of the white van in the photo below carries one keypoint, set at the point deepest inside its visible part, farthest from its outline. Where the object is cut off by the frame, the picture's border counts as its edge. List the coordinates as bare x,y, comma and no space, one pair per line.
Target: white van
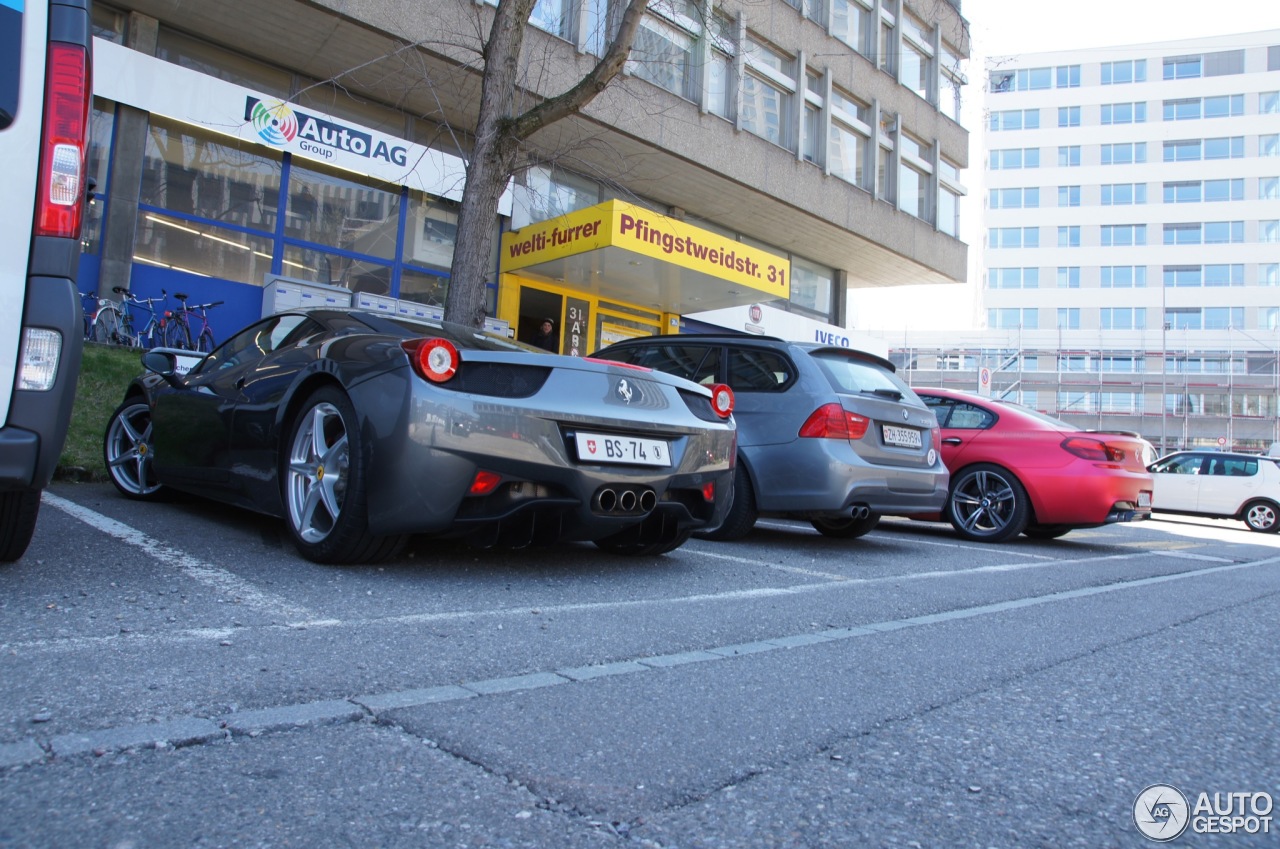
45,92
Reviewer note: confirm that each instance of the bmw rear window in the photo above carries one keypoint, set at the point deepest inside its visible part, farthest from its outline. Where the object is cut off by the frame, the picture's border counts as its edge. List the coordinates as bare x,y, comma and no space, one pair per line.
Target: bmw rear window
10,59
850,375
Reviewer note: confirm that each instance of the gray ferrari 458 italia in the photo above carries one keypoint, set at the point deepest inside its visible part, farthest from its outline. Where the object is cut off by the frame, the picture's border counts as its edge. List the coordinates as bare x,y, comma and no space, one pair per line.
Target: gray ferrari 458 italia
361,430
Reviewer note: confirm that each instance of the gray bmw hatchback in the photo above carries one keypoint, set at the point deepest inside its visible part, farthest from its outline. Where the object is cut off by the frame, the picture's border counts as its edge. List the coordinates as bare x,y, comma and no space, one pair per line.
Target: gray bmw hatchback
828,435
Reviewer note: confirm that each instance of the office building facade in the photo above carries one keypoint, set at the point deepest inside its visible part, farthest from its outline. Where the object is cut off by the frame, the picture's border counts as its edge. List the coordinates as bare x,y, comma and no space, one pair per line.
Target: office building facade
1131,259
273,152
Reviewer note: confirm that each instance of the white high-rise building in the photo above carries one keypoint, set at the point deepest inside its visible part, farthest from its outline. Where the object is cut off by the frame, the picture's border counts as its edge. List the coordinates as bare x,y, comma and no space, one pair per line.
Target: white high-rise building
1131,263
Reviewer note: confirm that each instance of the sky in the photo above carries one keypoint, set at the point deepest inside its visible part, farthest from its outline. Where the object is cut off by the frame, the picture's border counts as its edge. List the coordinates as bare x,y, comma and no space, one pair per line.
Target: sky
1008,27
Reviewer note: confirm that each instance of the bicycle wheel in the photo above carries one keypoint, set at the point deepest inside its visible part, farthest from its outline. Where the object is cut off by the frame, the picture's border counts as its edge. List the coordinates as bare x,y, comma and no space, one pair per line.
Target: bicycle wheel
176,335
106,326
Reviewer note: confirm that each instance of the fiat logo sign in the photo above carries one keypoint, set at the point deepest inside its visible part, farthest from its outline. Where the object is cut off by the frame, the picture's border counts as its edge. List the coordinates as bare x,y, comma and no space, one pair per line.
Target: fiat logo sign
756,313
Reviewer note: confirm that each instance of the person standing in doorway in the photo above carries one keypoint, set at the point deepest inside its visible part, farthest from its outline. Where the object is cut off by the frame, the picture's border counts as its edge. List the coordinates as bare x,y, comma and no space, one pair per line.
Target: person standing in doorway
546,337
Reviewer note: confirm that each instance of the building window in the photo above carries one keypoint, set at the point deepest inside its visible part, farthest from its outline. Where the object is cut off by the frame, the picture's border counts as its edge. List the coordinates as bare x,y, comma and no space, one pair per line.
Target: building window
1124,194
1224,275
663,55
915,175
722,88
1183,192
1068,116
1183,150
1183,234
1124,154
917,72
1069,236
1025,79
1224,106
1068,76
1028,198
1068,277
1118,73
1124,113
1223,232
1186,109
1223,190
1181,67
1122,318
1015,119
950,191
544,192
1224,63
1224,148
1013,278
1268,102
1068,318
1269,145
1268,188
851,23
1120,235
1068,195
848,138
952,82
1014,158
1124,276
1269,231
768,90
1012,319
1014,237
1069,156
1269,274
811,285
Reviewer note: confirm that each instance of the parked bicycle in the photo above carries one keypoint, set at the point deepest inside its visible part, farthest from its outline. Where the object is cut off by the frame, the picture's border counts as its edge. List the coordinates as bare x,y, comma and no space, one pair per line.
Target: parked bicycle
188,326
114,323
89,305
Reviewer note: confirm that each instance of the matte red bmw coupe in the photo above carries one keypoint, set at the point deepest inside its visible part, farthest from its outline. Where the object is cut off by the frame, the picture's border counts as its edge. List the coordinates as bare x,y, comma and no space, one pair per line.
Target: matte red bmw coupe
1015,470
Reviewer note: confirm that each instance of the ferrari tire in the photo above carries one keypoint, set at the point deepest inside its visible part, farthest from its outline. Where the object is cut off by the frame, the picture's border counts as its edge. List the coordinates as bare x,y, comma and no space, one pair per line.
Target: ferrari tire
325,480
845,527
1261,516
18,512
128,453
741,516
987,503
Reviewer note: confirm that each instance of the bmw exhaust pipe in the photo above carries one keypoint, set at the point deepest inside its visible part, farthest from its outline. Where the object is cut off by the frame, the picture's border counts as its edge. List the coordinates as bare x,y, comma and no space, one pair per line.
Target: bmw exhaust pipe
861,511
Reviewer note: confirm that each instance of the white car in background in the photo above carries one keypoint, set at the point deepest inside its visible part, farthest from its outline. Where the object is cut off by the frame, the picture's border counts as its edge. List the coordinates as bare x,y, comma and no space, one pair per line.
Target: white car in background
45,90
1219,485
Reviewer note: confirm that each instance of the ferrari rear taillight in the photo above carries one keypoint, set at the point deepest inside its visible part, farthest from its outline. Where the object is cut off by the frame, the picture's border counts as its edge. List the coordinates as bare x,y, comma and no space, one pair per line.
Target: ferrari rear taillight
435,359
1092,449
65,143
722,400
709,491
484,483
831,421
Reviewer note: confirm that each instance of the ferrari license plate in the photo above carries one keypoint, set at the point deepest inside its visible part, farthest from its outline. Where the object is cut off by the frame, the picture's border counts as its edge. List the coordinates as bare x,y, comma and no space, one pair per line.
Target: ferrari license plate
903,437
599,448
1144,499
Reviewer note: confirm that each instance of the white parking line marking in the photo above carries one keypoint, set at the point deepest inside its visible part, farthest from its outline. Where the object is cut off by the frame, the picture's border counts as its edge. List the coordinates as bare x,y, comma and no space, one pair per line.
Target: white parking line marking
193,567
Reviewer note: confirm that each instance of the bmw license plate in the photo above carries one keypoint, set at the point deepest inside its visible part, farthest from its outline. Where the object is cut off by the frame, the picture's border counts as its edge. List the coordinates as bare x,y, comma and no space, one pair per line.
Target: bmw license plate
903,437
598,448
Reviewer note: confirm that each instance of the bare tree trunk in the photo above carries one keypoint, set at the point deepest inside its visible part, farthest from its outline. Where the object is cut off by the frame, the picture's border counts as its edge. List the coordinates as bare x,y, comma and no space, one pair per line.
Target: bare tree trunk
499,136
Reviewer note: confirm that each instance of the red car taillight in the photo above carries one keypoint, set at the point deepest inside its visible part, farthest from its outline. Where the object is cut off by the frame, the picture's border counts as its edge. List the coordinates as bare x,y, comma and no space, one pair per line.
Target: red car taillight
1092,449
722,400
435,359
65,143
831,421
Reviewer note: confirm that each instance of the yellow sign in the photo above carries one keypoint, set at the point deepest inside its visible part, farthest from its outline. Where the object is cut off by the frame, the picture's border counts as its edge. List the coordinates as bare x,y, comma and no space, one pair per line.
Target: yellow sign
615,224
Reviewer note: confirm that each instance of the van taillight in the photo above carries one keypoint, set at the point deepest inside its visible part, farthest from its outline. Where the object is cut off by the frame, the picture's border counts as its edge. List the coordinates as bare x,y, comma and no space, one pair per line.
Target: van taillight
65,143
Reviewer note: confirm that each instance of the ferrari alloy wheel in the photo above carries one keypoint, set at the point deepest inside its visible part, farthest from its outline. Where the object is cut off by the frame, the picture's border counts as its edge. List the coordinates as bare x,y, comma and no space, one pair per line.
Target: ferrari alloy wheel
128,453
325,484
845,527
987,504
1262,516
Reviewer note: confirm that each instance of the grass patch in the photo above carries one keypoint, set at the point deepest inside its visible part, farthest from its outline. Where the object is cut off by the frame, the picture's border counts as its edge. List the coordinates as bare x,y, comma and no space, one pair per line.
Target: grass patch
105,371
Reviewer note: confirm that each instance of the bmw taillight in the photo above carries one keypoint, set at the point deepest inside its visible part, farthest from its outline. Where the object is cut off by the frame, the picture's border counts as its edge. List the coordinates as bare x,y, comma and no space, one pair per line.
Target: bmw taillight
832,421
722,400
65,143
435,359
1092,449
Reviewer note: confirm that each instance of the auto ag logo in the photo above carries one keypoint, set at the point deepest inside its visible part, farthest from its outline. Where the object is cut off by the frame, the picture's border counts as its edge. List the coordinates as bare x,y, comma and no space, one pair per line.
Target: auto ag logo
274,122
624,391
756,313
